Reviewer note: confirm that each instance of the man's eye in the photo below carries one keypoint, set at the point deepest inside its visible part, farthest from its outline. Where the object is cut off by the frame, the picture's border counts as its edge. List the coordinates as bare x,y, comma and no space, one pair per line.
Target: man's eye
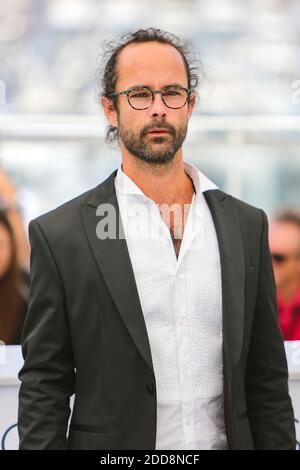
172,93
140,95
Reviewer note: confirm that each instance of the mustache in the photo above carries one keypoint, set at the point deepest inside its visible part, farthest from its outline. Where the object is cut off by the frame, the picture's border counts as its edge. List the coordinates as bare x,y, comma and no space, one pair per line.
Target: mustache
163,125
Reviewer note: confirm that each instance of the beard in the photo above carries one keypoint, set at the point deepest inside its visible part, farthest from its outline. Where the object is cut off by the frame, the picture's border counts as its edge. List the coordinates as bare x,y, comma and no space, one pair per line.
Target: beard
157,150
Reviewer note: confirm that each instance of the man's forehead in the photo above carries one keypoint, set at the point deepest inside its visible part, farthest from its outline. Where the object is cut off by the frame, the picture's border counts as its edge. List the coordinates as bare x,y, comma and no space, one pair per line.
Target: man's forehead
151,59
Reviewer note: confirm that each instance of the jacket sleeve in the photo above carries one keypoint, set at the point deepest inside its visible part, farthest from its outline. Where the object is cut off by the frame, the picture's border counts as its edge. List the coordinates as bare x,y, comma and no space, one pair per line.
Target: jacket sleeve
269,405
47,376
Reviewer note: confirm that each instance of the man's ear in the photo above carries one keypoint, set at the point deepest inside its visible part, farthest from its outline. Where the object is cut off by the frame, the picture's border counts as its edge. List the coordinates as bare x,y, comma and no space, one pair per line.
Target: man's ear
191,104
109,111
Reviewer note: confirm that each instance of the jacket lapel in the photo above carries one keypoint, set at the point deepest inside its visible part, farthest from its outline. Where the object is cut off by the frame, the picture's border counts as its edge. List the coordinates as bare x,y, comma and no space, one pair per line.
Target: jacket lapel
229,237
112,257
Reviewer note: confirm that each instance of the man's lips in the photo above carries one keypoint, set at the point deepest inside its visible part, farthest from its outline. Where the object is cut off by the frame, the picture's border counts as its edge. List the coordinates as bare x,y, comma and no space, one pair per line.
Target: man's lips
158,130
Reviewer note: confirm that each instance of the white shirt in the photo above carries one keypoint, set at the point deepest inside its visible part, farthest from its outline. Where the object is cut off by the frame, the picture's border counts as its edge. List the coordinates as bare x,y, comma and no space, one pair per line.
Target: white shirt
181,301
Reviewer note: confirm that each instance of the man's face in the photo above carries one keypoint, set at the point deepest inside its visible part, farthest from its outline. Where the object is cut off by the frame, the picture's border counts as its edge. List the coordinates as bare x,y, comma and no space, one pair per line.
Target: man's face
156,66
284,239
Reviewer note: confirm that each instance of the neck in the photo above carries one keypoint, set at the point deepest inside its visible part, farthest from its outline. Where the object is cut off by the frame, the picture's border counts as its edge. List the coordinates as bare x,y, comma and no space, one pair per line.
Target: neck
164,184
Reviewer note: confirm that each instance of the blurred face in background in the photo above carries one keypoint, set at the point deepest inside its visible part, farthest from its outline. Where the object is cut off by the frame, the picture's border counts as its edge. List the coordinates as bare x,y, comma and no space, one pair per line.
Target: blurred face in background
154,65
284,241
5,250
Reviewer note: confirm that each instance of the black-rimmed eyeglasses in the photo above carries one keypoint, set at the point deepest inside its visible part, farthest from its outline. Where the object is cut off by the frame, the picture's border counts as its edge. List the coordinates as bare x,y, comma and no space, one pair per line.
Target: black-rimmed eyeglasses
140,98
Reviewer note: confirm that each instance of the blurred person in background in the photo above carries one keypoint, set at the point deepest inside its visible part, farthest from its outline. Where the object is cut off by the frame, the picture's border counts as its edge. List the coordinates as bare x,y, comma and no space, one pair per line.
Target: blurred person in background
9,203
284,240
13,302
14,264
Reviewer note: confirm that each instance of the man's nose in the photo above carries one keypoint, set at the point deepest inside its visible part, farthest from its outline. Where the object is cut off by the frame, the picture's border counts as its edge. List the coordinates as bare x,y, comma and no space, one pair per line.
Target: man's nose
158,107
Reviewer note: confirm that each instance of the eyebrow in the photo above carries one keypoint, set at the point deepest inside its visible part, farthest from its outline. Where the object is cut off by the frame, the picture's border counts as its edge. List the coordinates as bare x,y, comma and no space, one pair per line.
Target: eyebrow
142,85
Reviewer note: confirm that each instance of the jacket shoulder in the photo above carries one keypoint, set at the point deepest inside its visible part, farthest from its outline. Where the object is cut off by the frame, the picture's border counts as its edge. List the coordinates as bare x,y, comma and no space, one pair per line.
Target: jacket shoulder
249,215
243,208
63,213
67,214
247,209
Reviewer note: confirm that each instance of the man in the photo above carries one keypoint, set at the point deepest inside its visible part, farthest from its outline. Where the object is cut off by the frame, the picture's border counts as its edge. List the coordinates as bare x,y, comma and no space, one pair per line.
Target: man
175,345
284,239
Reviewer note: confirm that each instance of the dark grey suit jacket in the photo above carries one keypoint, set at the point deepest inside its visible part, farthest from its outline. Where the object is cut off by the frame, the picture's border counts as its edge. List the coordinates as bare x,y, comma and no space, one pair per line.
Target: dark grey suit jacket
85,334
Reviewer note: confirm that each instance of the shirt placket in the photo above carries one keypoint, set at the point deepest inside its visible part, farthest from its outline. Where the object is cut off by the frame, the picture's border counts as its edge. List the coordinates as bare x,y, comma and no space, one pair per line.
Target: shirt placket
185,358
184,354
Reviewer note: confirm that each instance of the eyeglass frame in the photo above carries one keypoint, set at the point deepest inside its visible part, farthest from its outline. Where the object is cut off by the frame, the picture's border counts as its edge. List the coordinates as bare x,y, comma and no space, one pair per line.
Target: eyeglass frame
188,91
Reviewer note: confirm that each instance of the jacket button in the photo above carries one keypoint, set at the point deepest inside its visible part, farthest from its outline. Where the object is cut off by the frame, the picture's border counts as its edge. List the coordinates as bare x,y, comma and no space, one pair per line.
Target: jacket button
150,387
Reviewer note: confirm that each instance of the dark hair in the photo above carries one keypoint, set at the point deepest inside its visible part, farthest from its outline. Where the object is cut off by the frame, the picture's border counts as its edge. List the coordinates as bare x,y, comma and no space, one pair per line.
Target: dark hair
11,300
112,50
288,215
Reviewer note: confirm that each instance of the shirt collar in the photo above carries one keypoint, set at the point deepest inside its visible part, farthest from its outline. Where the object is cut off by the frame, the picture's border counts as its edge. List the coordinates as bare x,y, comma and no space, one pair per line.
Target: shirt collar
201,182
